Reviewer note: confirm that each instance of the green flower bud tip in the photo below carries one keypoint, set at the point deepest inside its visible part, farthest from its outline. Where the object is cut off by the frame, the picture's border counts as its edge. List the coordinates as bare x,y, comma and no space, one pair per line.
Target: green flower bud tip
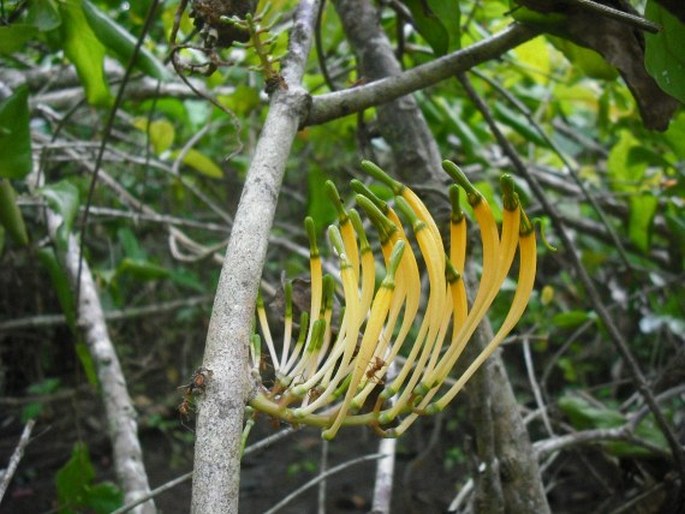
328,292
260,300
335,238
395,259
376,172
509,197
318,330
364,245
333,194
387,393
457,213
525,227
360,188
288,292
311,233
409,213
384,226
304,325
459,177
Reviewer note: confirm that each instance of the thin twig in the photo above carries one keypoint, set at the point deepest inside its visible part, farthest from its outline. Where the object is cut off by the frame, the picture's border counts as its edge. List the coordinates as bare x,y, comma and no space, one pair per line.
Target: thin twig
16,457
537,393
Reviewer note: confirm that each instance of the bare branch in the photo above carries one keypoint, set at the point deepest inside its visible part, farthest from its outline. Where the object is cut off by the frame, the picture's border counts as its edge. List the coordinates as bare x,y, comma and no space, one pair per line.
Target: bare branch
341,103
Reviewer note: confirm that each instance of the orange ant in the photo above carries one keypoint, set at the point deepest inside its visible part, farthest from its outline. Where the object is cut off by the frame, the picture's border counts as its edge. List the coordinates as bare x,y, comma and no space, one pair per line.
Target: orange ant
376,366
197,385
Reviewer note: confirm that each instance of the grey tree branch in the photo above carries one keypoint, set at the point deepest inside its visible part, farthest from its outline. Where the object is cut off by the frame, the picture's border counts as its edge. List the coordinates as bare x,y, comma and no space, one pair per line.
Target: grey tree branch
122,426
340,103
220,417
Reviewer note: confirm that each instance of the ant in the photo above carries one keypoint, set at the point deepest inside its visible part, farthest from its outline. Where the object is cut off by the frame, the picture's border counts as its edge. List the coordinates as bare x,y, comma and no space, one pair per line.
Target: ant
197,385
376,366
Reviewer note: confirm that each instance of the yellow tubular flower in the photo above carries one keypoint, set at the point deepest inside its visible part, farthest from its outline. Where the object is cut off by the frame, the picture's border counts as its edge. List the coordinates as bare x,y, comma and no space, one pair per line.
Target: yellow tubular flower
524,287
379,312
323,382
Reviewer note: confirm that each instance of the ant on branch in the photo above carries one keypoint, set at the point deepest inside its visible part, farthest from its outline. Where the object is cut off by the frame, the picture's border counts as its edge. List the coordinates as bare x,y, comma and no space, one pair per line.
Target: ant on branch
196,386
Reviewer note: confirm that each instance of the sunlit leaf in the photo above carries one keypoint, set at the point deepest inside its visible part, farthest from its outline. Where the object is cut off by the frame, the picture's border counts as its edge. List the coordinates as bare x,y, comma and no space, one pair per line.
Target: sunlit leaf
438,22
587,60
200,163
85,51
161,132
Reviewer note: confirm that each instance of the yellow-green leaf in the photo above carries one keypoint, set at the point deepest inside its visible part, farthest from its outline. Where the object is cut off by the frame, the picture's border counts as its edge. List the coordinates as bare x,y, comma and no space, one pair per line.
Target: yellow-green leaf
200,163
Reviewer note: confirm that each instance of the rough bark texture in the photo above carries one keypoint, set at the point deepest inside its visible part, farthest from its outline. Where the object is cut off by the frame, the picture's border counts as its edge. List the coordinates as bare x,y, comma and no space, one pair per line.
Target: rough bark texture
524,492
122,426
220,418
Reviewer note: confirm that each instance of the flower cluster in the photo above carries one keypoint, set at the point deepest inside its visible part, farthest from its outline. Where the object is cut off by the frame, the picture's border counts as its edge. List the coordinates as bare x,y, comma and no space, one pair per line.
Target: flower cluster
326,376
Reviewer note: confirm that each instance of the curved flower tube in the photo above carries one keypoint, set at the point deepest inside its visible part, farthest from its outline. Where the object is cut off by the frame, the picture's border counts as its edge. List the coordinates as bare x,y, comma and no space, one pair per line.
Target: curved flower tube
325,380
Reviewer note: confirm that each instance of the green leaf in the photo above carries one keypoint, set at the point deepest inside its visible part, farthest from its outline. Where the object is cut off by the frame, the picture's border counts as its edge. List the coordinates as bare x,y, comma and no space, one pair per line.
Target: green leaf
86,360
83,49
73,478
63,199
664,56
438,22
519,123
61,285
141,269
104,497
627,167
200,163
44,15
15,135
162,133
130,244
584,415
10,214
122,43
587,60
14,37
573,318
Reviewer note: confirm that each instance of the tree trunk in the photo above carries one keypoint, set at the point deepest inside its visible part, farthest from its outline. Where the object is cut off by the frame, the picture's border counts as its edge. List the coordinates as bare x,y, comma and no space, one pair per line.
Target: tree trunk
216,473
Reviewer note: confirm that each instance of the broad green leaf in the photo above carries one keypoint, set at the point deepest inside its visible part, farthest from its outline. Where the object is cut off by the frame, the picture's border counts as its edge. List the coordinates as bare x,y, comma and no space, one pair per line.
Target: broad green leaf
664,56
122,43
162,133
14,37
104,497
242,101
63,199
15,135
85,51
73,478
586,59
11,218
675,135
438,22
44,15
61,285
584,415
200,163
130,244
534,55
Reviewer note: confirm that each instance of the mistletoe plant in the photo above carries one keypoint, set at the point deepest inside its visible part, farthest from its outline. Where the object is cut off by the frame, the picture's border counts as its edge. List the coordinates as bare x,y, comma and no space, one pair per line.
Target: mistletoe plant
327,375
